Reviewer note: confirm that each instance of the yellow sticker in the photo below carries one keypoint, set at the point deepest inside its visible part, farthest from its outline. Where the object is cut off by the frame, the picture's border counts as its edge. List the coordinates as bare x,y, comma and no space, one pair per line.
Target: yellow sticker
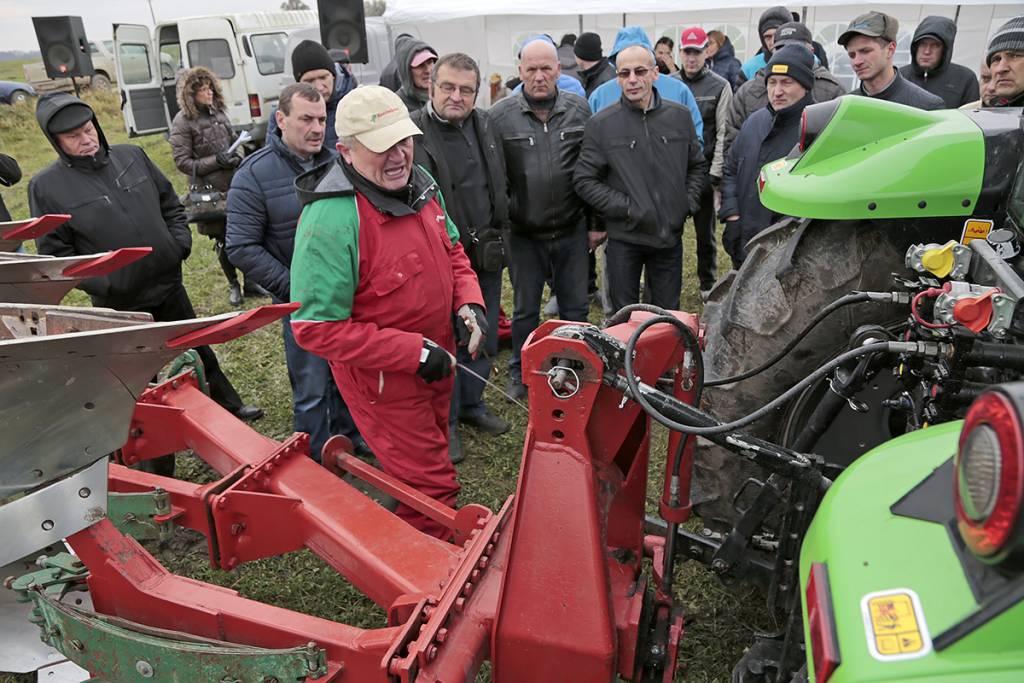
780,68
976,229
894,625
778,165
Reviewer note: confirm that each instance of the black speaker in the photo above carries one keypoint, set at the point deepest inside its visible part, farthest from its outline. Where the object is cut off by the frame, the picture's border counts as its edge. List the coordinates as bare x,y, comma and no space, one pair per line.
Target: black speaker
64,46
343,27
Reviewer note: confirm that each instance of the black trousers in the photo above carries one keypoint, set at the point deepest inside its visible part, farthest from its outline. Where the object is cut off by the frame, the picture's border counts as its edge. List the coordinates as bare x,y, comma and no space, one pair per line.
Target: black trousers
704,223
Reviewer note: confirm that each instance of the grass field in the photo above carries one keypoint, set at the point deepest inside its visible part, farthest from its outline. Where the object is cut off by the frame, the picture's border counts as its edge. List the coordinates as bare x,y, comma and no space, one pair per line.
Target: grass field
10,70
720,620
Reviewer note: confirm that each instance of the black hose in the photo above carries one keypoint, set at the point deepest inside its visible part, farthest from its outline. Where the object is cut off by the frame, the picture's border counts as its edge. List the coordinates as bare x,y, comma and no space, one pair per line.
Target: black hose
846,300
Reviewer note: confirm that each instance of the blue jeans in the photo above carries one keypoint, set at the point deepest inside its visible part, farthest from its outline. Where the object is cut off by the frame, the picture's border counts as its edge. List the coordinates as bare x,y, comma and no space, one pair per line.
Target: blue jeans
317,407
467,396
625,261
563,259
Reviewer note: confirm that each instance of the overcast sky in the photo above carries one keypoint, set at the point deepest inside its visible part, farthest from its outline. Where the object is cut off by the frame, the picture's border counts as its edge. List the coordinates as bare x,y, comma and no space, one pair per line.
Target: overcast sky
16,31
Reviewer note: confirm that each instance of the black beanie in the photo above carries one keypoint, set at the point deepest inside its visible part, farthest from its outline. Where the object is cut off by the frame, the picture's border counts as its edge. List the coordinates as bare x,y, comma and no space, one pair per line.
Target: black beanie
310,56
588,47
1010,36
795,61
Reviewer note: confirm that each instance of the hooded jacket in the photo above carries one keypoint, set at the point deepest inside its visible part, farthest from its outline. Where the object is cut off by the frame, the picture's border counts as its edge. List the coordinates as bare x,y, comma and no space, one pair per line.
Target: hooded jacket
376,273
765,136
955,84
773,17
344,83
116,199
902,91
389,74
199,132
753,95
725,64
642,170
263,211
413,97
10,173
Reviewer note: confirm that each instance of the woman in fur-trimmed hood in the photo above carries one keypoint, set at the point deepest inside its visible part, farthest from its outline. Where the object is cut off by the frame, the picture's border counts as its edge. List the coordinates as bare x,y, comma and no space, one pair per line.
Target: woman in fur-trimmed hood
201,134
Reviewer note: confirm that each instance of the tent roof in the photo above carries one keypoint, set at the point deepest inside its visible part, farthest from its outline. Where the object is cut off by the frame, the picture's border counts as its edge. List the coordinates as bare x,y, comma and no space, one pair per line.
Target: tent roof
425,11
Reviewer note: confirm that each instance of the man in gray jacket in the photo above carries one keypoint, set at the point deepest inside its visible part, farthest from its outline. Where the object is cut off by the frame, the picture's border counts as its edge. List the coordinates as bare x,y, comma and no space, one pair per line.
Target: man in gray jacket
753,94
643,170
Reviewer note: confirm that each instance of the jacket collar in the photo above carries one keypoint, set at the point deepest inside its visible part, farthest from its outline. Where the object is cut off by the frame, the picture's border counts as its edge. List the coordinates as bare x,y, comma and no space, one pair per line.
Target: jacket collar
655,102
560,107
699,76
275,142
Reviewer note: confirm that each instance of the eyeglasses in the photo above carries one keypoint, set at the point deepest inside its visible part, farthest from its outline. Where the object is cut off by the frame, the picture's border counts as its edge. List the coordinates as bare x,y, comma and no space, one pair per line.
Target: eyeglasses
640,72
449,88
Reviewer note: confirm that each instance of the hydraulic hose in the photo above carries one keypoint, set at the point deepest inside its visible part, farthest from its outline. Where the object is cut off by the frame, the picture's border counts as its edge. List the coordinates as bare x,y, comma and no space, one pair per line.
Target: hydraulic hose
640,394
846,300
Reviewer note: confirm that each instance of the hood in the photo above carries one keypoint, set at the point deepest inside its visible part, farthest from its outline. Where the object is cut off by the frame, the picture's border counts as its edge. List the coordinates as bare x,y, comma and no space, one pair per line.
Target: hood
627,37
773,17
403,55
942,30
338,179
185,91
727,51
47,108
567,58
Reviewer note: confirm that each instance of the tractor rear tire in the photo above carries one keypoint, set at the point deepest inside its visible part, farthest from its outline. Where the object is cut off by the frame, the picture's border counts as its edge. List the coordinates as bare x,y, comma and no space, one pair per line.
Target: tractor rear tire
793,270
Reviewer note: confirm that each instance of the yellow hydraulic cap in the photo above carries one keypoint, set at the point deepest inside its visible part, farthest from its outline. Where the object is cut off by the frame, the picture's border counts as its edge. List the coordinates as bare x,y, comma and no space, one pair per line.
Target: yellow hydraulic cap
939,262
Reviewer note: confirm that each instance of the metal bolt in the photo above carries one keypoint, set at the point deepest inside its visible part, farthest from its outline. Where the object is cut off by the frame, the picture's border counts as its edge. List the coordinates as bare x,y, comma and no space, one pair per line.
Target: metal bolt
84,492
460,604
144,668
720,566
77,645
657,650
467,589
47,524
442,635
135,432
483,562
237,528
432,653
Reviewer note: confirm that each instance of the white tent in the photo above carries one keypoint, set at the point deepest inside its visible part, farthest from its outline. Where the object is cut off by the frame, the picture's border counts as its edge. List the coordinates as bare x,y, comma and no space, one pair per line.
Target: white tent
493,30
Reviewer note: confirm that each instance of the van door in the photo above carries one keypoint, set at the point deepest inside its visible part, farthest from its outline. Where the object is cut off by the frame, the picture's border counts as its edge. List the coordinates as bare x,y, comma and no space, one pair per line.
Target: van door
211,42
138,79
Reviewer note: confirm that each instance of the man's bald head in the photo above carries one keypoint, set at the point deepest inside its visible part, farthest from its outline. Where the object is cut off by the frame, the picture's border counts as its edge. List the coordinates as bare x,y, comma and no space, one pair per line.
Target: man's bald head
539,69
634,54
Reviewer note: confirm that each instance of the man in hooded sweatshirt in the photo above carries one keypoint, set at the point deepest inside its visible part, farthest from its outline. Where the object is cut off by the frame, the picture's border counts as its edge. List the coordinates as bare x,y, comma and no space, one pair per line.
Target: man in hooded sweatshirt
312,64
389,74
931,67
767,25
118,198
770,133
753,94
415,60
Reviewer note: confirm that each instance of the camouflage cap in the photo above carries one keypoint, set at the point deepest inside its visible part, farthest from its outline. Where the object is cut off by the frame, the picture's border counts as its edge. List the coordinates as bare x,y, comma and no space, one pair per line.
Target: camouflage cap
873,24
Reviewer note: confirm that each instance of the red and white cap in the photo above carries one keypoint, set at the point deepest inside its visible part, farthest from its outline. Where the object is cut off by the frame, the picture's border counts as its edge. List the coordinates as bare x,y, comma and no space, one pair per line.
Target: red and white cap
693,38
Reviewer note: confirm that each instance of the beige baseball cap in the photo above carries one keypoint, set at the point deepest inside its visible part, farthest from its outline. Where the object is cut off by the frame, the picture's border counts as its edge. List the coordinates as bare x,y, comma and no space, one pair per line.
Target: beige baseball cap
375,116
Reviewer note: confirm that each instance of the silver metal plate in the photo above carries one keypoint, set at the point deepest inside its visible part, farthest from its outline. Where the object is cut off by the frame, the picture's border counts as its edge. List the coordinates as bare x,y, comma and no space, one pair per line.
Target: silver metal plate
44,517
38,279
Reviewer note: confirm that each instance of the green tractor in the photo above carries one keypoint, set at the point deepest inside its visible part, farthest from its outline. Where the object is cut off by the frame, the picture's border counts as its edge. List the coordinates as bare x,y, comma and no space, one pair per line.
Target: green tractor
907,241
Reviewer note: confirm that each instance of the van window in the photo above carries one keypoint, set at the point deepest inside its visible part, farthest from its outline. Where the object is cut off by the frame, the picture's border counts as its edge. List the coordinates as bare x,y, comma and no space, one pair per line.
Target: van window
269,49
214,54
135,63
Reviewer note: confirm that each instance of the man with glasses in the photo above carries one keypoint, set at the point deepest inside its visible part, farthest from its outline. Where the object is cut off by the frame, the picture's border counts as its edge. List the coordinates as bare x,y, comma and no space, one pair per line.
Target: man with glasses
458,150
541,128
642,169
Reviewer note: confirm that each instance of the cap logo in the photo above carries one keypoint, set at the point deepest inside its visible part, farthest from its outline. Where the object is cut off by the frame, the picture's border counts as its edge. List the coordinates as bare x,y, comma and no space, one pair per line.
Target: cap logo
691,36
382,114
780,68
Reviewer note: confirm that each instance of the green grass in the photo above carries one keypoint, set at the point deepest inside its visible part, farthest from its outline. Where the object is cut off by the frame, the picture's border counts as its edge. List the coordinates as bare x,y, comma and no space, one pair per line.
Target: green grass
720,620
10,70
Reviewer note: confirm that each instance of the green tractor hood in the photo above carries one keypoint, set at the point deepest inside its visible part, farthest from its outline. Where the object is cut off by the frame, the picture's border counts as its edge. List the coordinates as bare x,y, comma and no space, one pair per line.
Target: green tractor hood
866,158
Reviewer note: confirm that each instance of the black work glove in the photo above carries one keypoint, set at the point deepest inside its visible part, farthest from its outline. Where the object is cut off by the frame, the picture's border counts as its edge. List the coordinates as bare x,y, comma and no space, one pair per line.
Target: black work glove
227,161
470,327
435,362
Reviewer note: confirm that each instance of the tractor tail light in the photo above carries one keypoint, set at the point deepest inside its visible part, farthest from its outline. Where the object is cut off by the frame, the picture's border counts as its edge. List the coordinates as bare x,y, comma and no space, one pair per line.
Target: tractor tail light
989,481
821,624
254,105
814,119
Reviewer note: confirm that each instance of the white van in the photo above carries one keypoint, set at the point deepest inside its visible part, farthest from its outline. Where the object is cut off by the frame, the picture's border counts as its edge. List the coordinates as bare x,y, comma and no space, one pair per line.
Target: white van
245,51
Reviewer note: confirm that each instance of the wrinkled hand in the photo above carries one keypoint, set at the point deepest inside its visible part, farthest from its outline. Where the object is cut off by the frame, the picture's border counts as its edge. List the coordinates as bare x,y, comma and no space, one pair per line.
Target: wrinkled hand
227,161
470,327
435,362
596,238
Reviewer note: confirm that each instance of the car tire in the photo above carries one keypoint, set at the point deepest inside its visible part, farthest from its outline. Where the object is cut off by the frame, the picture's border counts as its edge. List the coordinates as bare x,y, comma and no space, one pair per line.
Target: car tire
19,97
99,82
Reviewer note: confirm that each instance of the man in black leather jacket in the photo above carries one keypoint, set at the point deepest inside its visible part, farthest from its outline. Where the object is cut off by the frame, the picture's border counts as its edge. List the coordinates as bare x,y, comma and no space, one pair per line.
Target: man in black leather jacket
643,170
541,129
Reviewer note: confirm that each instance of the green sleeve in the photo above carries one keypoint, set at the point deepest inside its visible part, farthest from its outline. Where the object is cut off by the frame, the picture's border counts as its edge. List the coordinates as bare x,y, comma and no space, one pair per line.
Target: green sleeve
325,264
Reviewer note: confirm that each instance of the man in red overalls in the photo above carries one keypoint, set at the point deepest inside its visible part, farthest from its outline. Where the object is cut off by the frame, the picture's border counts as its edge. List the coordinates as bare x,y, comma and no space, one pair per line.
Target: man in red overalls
379,271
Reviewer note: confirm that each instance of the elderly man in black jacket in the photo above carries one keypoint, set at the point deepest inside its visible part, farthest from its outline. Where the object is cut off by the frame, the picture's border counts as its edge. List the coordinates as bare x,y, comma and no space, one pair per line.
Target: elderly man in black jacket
118,198
643,170
931,64
458,149
541,129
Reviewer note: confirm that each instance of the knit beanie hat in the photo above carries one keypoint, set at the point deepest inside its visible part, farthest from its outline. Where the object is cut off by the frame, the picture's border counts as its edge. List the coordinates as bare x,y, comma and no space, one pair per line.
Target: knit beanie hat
1010,36
310,55
773,17
588,47
795,61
